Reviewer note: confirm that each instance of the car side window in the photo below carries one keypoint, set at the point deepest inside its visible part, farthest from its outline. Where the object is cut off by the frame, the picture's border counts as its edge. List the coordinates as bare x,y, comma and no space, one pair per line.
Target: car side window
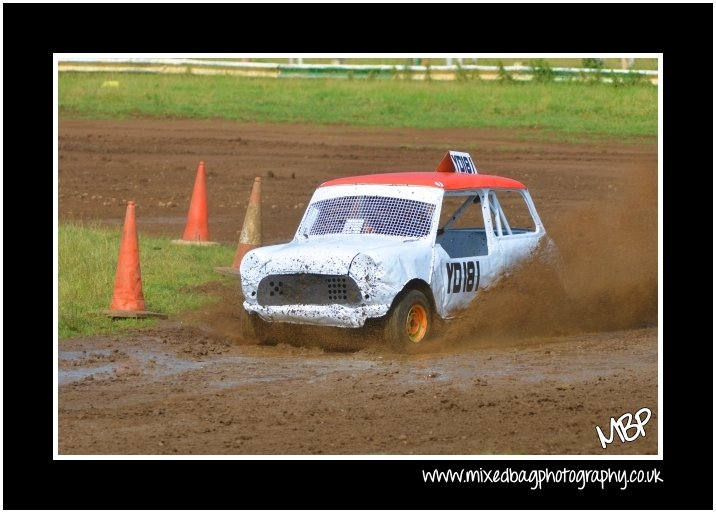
510,213
461,231
463,211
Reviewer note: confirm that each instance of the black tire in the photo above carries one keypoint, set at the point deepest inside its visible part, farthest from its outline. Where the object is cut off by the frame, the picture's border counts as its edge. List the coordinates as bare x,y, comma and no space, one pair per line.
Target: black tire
409,322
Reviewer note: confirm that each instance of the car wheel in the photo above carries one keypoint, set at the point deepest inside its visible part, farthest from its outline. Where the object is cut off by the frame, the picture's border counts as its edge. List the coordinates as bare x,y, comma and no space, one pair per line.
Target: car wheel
410,321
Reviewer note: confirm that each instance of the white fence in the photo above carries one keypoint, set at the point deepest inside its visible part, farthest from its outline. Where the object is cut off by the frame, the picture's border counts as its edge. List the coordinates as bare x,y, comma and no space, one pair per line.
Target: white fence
417,72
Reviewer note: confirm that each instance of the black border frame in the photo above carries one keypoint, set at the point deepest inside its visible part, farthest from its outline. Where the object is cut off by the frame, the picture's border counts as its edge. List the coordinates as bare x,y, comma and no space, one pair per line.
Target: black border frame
32,480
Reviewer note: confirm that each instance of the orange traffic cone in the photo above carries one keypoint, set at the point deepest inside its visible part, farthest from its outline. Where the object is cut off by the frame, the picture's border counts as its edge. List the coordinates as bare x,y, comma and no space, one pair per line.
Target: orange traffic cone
197,224
250,237
128,298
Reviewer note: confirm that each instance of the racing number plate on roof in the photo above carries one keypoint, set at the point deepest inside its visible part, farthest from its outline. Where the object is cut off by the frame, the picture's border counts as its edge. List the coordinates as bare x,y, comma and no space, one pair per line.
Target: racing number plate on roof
463,163
457,162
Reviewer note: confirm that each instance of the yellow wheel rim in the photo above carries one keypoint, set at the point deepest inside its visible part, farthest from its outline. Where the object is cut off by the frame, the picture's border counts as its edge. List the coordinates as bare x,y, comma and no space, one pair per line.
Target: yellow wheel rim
416,325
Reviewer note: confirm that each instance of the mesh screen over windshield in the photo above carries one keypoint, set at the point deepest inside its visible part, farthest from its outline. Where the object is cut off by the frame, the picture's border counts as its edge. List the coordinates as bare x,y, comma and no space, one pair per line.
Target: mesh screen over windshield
369,214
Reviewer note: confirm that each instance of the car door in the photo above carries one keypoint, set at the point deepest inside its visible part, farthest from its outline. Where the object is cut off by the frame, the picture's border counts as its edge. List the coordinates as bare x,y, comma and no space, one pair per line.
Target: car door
463,260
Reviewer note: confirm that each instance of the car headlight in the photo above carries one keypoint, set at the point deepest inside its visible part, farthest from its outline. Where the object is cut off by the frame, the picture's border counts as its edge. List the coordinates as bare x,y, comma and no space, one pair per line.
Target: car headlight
367,274
363,269
250,274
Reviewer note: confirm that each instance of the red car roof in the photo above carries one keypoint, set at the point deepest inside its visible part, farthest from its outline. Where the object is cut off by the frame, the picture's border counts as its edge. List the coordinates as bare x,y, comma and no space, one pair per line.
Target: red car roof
447,181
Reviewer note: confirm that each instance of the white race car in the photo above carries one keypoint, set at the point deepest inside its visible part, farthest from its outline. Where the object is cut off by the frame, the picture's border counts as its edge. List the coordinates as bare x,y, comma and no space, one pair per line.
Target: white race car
398,247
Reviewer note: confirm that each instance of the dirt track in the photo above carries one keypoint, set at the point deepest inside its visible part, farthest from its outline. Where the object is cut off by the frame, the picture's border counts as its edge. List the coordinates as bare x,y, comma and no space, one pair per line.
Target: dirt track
522,373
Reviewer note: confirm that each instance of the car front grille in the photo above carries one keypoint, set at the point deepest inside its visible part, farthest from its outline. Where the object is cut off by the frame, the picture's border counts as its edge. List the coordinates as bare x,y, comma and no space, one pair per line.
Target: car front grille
307,289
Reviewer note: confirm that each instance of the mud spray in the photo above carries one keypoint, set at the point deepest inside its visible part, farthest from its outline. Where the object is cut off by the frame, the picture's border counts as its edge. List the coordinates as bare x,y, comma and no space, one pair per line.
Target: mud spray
597,272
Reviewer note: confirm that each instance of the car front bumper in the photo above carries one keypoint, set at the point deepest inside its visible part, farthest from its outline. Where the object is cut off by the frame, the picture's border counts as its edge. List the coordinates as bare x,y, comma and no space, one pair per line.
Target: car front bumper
340,316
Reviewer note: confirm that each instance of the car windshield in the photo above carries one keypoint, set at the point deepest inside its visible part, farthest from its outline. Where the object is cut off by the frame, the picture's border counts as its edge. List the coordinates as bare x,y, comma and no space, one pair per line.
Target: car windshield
382,215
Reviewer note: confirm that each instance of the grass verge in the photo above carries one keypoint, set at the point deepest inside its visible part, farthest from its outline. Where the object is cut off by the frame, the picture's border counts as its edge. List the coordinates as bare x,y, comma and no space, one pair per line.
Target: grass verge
570,108
173,278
